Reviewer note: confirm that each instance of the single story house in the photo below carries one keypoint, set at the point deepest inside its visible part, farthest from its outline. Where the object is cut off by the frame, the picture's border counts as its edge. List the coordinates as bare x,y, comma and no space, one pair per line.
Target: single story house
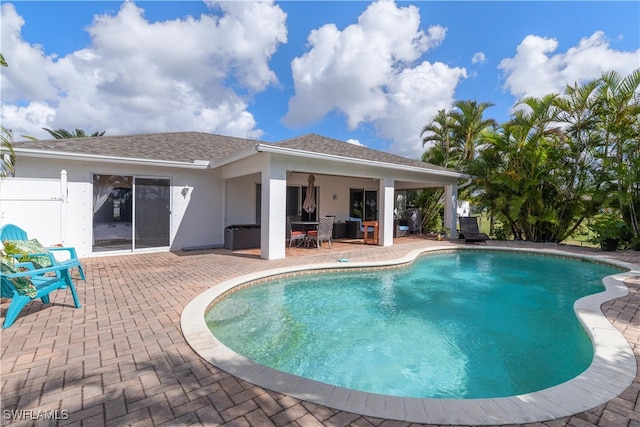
184,190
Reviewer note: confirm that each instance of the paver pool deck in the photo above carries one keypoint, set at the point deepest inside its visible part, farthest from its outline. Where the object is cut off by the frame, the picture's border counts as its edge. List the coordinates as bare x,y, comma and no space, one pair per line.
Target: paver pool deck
121,359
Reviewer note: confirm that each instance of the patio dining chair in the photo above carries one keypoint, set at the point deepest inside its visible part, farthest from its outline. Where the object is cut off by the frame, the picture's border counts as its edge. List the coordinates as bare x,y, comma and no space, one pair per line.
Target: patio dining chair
294,235
470,231
18,237
324,233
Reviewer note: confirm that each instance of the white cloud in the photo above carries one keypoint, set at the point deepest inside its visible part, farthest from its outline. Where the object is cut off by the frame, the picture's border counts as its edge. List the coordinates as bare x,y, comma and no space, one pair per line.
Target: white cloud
354,142
478,58
536,71
367,71
137,76
23,77
416,95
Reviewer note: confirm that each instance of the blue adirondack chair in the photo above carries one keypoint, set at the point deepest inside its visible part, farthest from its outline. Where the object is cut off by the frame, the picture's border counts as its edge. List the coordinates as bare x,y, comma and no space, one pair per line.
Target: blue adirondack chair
43,284
13,232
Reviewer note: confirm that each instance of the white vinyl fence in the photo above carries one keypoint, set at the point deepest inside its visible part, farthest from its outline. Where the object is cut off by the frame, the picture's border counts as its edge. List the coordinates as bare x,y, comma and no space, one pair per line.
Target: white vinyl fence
38,206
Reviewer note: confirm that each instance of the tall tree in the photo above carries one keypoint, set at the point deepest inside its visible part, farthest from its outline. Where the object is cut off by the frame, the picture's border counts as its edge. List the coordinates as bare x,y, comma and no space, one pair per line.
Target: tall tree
453,137
563,158
468,125
577,114
619,119
438,135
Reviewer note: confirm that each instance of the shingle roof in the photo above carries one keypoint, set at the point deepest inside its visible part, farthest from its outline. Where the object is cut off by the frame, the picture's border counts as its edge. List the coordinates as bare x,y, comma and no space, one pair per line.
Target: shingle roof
175,146
191,146
321,144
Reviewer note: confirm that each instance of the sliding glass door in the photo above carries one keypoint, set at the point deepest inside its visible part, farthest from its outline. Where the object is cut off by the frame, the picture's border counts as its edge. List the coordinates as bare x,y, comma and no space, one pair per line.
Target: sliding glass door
130,212
363,204
295,199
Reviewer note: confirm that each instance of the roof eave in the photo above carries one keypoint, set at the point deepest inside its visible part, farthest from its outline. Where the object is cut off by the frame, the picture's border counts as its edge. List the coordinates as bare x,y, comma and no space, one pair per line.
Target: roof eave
352,160
28,152
238,156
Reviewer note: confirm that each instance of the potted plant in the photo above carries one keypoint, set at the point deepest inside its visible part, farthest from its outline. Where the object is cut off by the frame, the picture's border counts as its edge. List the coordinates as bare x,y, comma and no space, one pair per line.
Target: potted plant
442,233
609,230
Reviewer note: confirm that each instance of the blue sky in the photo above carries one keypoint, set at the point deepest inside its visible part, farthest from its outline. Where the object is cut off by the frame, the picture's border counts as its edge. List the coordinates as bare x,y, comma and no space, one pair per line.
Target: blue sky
371,73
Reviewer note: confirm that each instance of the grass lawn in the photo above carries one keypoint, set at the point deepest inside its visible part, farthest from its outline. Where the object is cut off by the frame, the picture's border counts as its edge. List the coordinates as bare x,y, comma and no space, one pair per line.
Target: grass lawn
580,240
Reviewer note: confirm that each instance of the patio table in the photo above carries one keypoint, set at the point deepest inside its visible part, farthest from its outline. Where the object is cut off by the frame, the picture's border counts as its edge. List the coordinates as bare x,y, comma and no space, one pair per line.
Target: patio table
306,225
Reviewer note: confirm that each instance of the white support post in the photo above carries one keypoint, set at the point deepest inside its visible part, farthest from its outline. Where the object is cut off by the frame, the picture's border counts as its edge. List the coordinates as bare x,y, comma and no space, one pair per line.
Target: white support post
274,202
451,209
385,211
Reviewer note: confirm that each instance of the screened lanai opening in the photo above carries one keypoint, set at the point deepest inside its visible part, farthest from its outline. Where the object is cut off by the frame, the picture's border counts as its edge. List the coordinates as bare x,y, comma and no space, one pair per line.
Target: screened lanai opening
130,212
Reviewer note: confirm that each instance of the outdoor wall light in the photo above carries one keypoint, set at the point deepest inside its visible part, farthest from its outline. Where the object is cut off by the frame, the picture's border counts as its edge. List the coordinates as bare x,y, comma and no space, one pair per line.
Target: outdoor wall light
184,191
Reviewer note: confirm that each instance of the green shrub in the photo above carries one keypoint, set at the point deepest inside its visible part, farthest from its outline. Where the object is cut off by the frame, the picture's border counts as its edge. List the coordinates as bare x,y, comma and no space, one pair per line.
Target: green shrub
501,233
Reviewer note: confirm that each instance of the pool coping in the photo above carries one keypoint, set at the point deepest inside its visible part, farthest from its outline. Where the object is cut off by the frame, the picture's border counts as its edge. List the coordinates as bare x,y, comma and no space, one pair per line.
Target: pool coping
612,370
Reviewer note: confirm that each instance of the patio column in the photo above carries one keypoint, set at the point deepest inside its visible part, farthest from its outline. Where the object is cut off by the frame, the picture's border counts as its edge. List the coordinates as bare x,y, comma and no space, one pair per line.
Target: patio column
274,202
451,209
385,211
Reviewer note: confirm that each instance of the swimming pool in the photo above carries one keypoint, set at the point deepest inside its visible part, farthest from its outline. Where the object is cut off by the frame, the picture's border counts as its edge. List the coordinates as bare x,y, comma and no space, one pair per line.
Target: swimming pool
463,325
540,405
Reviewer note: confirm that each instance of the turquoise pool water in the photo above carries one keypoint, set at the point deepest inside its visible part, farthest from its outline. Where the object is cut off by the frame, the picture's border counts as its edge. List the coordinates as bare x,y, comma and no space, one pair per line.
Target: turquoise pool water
455,325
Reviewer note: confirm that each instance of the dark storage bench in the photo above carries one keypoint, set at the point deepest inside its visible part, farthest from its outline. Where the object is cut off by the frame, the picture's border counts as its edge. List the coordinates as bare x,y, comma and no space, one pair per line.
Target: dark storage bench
242,236
339,230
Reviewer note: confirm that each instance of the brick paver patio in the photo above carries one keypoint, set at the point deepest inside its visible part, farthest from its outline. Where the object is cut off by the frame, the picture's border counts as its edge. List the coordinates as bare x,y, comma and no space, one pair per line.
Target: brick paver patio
121,359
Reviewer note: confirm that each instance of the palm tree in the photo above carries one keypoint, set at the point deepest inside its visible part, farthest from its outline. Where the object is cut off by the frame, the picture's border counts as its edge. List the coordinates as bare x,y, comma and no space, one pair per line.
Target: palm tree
524,173
7,156
455,136
620,117
577,114
64,134
440,133
468,125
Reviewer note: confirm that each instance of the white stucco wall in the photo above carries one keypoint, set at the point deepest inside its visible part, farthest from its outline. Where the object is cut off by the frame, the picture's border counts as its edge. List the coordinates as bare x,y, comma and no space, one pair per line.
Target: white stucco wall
196,217
240,199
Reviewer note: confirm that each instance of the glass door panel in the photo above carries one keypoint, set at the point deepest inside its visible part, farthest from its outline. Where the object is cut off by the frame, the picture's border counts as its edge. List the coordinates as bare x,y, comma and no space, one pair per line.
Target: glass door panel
112,212
370,205
293,201
356,199
152,212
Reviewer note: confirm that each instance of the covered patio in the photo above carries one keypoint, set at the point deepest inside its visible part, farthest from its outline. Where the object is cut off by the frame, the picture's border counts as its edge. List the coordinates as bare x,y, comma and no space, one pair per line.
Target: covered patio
121,359
258,187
